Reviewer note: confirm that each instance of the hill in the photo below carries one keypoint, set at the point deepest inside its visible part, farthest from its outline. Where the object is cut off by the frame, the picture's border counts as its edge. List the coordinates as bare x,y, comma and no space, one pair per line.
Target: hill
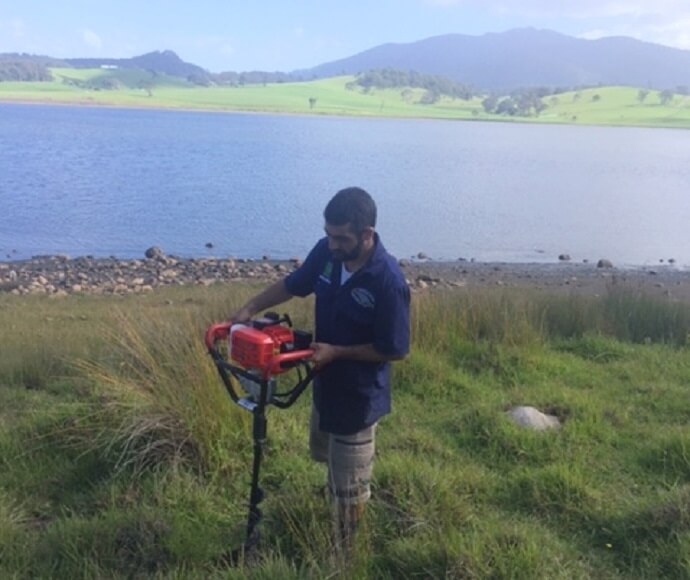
165,62
525,58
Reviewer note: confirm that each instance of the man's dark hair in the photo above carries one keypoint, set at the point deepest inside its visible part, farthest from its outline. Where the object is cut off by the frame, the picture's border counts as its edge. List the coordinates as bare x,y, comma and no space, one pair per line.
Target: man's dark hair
353,206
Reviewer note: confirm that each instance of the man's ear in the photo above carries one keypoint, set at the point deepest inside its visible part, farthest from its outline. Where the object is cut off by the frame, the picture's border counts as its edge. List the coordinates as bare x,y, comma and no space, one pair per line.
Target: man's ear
367,234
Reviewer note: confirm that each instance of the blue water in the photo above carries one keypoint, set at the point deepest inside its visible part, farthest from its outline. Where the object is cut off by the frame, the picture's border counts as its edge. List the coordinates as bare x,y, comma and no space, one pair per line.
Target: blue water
106,182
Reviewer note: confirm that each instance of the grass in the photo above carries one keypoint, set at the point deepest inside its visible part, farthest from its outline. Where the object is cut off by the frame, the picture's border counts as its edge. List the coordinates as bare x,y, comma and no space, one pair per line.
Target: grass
121,456
617,106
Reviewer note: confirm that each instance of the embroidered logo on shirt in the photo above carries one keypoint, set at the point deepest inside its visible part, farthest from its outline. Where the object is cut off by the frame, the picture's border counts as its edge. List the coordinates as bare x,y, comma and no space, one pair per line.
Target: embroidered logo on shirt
363,297
327,271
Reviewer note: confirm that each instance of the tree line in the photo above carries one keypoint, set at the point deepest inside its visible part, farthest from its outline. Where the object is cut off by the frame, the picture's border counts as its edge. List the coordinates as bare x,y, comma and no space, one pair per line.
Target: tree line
435,86
257,77
521,103
665,96
24,71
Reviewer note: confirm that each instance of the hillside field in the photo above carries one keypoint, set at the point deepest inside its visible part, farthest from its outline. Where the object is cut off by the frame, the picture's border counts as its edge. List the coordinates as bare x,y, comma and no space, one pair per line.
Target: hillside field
140,89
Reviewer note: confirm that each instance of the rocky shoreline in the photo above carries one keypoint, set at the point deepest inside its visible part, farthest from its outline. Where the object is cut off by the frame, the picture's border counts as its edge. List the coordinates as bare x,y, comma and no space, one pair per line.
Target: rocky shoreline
61,275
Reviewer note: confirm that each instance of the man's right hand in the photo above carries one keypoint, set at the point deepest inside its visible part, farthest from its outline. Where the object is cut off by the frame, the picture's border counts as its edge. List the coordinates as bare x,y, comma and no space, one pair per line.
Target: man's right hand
242,316
272,296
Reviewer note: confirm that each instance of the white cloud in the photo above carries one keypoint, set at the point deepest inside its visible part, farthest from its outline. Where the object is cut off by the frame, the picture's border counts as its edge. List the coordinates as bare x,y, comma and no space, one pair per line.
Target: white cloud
576,8
595,34
444,2
219,44
14,28
91,39
660,21
17,27
226,49
675,33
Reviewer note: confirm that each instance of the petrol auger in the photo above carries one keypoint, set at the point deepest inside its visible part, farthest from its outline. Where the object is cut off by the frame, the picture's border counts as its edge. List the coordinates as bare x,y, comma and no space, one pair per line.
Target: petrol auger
257,352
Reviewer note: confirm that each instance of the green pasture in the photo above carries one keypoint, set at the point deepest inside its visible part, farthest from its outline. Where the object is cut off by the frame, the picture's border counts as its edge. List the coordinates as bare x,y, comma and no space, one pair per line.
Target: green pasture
122,457
136,88
617,106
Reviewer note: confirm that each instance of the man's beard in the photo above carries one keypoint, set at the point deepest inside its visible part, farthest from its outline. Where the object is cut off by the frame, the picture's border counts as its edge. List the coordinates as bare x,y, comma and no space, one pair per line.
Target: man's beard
353,254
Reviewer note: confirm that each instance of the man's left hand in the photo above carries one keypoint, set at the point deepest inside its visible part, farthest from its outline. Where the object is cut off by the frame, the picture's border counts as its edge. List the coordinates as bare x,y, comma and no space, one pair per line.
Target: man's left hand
324,354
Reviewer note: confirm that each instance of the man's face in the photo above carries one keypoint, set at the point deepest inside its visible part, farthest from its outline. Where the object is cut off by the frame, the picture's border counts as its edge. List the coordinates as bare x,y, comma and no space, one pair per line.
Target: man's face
345,245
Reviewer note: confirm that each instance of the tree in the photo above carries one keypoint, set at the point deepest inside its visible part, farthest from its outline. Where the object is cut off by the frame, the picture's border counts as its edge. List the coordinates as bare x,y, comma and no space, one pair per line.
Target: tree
596,98
489,104
539,106
666,96
24,71
642,95
147,87
507,106
312,102
430,97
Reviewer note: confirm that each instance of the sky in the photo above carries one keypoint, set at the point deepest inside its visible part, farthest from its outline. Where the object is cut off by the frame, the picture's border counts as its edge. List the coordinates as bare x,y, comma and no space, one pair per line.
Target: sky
286,35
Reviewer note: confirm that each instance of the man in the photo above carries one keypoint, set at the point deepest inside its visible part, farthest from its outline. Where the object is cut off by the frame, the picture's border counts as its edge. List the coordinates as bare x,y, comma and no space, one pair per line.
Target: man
362,324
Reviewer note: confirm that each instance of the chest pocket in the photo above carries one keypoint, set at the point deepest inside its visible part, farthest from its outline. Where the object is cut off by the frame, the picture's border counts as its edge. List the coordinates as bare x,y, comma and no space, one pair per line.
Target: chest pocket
361,303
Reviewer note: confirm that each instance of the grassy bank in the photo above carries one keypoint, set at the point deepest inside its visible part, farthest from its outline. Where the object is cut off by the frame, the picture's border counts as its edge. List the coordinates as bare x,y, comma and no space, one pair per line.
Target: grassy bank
601,106
121,456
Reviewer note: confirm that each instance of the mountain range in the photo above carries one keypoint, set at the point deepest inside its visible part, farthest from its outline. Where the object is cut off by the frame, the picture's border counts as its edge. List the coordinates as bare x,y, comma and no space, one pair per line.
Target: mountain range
497,62
525,57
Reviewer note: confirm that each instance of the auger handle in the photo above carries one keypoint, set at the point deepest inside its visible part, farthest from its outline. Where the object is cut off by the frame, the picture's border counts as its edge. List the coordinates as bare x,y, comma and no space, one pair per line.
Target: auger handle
215,333
276,367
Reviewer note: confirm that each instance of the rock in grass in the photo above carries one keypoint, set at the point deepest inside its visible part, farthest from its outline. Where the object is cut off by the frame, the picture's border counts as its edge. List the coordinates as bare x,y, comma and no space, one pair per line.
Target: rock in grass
603,263
532,418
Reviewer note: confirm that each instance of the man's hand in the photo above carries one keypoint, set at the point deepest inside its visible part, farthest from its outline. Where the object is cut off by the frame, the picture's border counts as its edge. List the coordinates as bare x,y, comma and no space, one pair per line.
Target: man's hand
323,354
272,296
242,316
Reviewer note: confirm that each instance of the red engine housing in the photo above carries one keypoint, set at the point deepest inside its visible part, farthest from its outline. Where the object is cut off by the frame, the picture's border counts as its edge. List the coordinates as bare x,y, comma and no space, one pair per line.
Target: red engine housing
252,348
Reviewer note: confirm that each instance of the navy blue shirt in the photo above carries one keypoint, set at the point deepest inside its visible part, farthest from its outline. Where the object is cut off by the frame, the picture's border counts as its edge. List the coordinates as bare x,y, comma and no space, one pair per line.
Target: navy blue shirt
372,307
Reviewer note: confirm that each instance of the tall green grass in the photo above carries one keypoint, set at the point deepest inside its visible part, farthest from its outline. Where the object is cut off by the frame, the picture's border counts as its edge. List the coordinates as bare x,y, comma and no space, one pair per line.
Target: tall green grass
121,456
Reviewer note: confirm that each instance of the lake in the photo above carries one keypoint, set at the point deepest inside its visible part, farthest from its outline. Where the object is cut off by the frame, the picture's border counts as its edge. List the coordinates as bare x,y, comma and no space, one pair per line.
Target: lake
103,182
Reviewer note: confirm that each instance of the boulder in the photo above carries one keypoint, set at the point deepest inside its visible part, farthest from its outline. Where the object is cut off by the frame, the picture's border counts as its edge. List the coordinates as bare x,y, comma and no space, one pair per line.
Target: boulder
532,418
603,263
154,253
564,257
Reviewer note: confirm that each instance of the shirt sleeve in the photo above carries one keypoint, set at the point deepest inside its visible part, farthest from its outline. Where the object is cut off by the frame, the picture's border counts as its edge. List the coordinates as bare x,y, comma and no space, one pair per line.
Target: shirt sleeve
302,281
392,321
